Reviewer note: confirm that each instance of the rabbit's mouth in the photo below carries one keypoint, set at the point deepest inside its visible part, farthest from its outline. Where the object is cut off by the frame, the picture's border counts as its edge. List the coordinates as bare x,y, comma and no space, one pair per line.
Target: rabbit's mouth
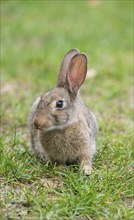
46,125
53,127
42,124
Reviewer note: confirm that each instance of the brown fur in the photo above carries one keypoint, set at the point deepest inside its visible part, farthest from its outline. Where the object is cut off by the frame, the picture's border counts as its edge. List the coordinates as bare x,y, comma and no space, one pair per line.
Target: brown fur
65,135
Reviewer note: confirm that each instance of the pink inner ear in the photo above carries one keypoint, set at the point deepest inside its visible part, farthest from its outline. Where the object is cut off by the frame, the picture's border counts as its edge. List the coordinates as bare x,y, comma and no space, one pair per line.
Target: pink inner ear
75,76
77,71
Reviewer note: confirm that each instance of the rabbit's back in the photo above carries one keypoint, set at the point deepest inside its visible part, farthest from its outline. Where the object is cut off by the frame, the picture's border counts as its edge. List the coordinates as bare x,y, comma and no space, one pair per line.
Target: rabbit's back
88,118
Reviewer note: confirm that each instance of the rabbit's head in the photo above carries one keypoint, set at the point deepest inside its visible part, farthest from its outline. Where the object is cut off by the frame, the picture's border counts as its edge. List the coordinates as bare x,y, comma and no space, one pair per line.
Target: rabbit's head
56,109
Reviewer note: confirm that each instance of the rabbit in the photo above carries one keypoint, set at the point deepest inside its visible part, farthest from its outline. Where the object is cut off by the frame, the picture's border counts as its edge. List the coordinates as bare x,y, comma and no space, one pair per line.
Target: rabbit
62,129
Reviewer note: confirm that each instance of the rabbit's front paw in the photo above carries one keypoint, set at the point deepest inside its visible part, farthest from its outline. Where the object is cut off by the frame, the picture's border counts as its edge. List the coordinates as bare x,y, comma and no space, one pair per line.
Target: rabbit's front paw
87,169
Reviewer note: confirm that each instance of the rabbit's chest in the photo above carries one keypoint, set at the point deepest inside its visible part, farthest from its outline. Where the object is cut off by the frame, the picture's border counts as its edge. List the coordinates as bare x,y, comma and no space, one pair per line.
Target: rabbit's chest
64,144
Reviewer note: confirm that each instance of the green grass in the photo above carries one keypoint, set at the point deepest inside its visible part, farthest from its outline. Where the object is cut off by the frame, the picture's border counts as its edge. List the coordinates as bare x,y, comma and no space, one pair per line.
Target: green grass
35,35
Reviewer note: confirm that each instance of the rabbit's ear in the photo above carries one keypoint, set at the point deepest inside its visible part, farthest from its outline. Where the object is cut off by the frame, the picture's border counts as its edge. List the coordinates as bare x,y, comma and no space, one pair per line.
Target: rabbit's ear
77,72
64,66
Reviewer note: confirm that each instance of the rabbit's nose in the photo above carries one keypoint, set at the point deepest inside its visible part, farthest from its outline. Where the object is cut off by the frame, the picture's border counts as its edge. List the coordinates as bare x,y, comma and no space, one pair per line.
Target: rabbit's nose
37,123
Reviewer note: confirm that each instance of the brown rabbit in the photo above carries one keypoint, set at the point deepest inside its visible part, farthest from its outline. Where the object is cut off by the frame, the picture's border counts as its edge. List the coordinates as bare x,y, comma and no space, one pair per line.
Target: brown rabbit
62,129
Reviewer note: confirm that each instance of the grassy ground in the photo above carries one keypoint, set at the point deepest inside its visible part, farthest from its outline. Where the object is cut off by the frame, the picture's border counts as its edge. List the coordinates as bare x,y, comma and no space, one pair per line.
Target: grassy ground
35,35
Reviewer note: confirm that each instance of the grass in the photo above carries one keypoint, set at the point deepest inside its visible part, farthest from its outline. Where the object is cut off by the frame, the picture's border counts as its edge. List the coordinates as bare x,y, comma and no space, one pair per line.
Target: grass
35,35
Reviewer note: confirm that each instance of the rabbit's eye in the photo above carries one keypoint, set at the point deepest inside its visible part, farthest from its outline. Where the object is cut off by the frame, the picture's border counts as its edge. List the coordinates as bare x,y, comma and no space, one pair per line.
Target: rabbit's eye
59,104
